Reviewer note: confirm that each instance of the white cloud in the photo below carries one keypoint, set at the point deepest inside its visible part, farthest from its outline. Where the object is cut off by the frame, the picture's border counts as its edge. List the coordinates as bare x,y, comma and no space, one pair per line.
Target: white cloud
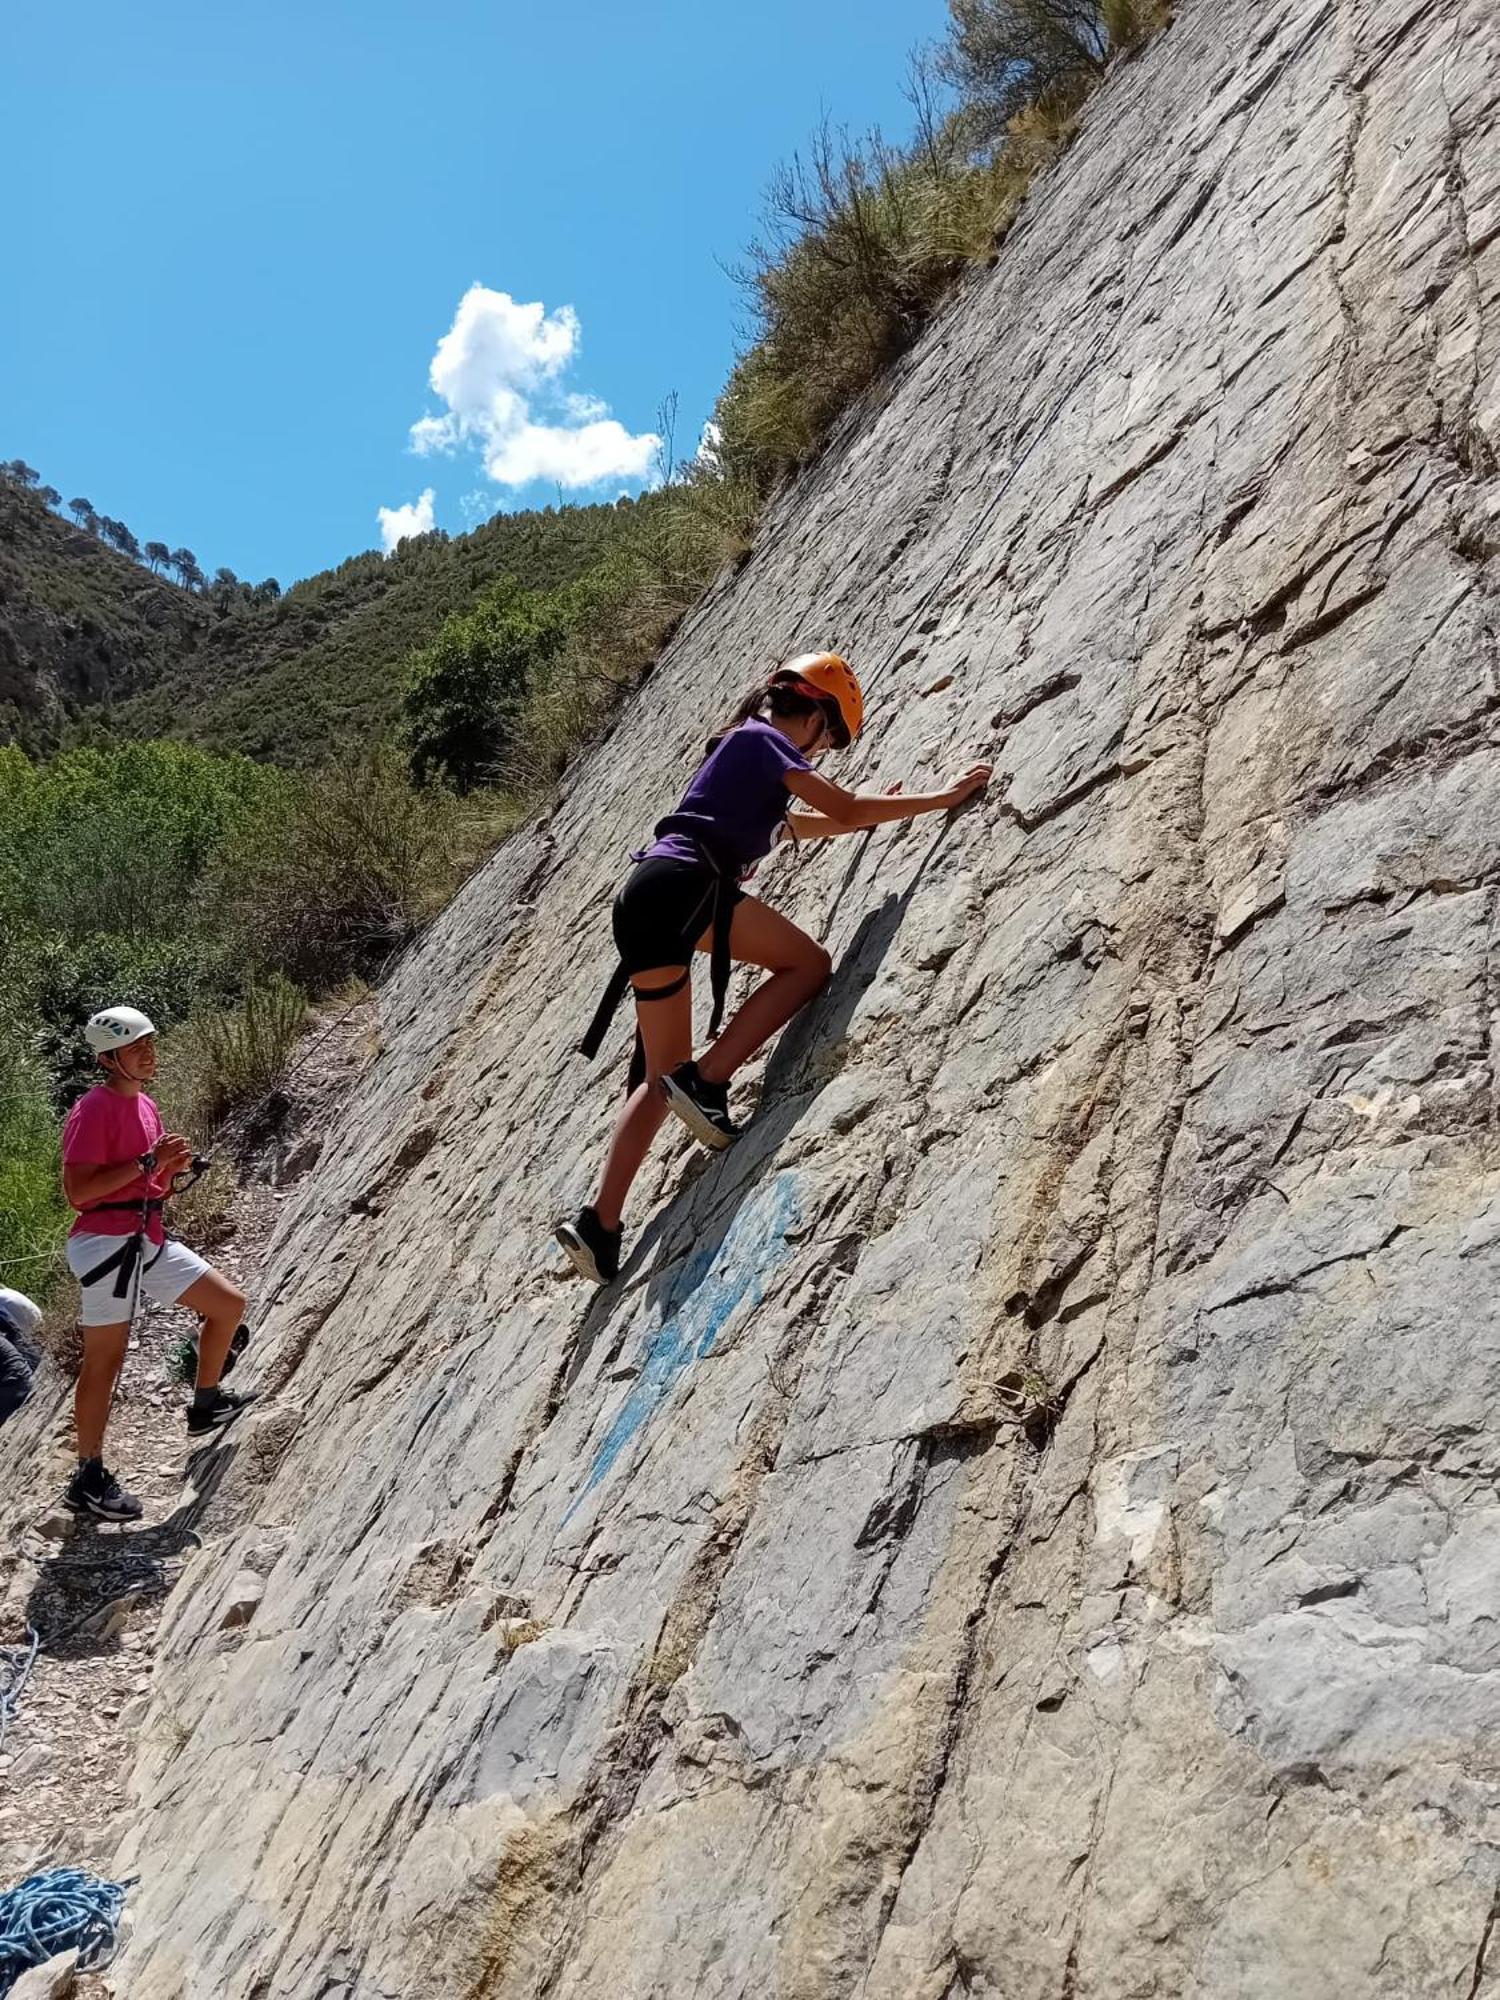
707,453
496,369
569,455
585,409
397,523
429,434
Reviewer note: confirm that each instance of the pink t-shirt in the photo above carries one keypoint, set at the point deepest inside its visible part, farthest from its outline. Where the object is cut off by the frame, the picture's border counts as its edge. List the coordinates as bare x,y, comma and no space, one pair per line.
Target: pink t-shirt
104,1129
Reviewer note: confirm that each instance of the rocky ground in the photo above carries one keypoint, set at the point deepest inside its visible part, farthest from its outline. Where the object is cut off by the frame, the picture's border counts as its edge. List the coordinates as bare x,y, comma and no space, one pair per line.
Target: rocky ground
95,1592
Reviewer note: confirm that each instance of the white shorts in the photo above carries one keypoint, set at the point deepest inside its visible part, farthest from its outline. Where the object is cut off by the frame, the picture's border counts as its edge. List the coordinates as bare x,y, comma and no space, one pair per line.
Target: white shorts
163,1280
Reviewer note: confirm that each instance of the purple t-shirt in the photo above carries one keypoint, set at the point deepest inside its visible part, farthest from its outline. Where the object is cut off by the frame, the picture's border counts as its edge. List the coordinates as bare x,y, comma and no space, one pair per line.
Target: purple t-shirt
737,799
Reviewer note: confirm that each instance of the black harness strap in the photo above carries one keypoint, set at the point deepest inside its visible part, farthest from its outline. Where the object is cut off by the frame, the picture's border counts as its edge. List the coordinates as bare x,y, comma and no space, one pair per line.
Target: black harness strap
636,1075
123,1262
665,992
719,963
132,1250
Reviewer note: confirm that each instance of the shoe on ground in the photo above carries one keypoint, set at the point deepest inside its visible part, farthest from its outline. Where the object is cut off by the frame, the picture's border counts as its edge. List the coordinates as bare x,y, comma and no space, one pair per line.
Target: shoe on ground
592,1250
94,1490
702,1107
213,1416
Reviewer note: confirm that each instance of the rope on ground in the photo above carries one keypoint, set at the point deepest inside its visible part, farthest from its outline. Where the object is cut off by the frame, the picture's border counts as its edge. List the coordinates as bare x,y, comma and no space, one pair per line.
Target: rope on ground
16,1663
61,1909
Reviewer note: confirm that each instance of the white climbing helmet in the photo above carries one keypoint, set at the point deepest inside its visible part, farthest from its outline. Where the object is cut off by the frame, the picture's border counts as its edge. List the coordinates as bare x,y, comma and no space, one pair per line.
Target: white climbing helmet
117,1028
24,1314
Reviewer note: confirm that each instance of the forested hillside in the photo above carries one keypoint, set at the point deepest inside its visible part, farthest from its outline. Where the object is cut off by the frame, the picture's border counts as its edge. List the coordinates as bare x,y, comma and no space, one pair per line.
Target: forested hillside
94,643
81,625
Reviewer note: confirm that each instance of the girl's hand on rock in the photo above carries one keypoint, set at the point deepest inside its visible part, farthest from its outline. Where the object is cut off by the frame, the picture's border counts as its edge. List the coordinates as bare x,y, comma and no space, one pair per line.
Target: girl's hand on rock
971,782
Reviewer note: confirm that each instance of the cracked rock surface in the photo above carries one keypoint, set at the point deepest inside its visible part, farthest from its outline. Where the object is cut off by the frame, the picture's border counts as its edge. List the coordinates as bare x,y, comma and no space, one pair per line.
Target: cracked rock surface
1026,1523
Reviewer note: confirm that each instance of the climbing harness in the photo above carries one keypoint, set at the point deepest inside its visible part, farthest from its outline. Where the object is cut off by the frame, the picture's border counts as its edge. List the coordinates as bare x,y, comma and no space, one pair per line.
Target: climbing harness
61,1909
130,1263
721,919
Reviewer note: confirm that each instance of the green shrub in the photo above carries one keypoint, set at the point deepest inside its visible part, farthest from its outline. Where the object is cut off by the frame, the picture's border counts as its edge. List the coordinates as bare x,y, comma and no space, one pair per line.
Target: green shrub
344,868
235,1055
1001,57
466,689
100,841
33,1215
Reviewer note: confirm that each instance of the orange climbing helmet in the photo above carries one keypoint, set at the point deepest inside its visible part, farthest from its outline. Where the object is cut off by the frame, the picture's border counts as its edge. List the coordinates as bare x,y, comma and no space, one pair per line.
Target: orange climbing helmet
831,679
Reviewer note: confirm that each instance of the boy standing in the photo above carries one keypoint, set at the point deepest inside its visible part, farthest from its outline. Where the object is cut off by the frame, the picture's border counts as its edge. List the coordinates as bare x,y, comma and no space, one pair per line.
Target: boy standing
118,1165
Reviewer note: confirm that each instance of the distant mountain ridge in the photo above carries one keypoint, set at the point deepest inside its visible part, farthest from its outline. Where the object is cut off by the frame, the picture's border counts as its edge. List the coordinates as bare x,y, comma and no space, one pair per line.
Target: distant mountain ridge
80,626
92,642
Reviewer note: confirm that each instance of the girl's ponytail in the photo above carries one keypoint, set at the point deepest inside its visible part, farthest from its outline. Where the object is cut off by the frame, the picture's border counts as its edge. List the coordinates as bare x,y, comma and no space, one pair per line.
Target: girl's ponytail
769,694
749,708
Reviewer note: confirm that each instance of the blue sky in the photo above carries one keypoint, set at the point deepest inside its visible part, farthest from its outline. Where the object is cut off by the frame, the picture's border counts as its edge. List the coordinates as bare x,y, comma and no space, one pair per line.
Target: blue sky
236,236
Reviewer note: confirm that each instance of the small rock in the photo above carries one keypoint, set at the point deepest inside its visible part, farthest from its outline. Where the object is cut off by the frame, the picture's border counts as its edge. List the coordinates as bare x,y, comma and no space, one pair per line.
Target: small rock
300,1158
242,1599
943,681
53,1981
54,1527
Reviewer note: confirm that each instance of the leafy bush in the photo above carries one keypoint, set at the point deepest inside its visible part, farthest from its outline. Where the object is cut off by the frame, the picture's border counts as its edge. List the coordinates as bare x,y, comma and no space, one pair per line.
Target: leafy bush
1004,56
235,1056
103,841
468,686
33,1218
344,867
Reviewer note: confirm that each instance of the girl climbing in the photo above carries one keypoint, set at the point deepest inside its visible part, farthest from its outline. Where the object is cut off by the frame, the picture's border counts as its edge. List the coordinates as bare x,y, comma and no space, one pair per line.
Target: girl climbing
684,895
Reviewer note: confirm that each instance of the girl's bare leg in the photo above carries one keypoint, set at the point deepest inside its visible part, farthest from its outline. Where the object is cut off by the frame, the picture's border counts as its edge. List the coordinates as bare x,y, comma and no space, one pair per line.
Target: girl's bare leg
103,1358
799,969
667,1032
221,1307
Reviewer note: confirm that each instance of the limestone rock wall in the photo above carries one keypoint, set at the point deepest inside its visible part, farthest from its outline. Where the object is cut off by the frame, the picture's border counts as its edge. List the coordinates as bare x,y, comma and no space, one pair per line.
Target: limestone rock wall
1026,1524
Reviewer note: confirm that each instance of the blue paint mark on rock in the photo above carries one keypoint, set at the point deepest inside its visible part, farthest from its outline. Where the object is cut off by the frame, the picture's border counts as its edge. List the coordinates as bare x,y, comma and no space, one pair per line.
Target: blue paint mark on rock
710,1287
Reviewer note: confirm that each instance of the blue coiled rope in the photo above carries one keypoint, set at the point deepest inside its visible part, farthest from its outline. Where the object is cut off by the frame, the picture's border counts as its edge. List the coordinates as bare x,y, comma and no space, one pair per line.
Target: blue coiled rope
62,1909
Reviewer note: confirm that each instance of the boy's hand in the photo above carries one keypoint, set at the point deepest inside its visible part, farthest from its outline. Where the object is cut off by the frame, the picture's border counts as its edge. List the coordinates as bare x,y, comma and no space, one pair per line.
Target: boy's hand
970,783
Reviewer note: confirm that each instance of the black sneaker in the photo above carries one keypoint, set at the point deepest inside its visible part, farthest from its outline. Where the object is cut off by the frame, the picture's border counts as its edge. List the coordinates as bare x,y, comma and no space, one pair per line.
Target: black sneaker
225,1407
94,1490
702,1107
592,1250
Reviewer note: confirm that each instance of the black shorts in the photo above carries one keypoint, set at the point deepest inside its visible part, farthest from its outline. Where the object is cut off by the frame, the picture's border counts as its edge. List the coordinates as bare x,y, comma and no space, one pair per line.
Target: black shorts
663,911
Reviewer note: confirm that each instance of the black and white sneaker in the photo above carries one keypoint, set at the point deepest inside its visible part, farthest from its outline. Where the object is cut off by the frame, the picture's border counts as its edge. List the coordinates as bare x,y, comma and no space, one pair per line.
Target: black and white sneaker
592,1250
204,1416
94,1490
702,1107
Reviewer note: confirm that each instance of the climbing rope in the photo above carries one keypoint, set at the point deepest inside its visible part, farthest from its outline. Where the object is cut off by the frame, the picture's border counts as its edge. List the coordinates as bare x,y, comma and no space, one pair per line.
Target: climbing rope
16,1663
61,1909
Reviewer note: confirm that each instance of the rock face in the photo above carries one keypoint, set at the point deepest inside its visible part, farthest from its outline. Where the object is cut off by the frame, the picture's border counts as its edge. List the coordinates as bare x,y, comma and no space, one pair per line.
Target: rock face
1026,1523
